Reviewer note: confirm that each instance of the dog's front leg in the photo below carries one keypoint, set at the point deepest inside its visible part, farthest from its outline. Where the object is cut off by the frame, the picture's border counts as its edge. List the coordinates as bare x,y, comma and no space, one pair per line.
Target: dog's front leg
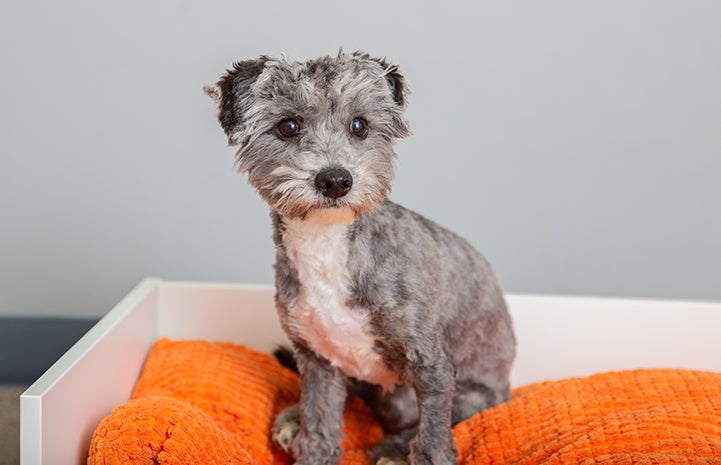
433,381
322,399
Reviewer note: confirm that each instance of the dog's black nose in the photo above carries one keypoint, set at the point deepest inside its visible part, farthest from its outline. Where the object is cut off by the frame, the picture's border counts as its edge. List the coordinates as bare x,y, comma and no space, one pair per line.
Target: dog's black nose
334,182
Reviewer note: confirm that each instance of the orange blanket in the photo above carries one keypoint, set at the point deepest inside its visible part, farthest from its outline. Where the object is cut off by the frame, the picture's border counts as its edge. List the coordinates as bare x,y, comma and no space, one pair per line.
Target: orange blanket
207,403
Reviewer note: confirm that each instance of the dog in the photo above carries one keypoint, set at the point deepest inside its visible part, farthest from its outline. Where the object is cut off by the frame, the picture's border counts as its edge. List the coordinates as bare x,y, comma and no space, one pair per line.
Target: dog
375,298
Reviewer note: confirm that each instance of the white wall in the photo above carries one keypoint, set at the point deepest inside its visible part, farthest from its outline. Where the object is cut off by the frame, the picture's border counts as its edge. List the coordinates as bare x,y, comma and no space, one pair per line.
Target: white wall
575,143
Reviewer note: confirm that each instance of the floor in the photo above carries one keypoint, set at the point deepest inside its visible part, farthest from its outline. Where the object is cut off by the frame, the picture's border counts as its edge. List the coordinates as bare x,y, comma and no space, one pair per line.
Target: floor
9,424
20,335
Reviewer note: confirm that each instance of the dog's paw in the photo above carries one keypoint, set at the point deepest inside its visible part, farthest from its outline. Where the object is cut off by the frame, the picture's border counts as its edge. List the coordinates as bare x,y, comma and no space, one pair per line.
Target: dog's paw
286,428
285,434
387,461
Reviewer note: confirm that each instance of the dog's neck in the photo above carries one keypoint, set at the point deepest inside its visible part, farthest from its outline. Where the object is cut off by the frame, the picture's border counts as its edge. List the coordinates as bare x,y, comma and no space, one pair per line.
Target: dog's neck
312,241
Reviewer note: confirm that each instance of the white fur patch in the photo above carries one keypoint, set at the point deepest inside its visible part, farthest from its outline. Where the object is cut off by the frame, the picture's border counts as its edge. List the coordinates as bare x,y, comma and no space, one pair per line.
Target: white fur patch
321,317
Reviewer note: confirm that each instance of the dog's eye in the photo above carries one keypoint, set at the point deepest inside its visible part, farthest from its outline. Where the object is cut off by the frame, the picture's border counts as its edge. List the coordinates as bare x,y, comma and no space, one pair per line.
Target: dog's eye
359,127
288,127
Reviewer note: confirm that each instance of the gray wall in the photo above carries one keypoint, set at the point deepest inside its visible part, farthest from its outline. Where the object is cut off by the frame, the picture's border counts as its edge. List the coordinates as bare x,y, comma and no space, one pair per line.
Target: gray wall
575,143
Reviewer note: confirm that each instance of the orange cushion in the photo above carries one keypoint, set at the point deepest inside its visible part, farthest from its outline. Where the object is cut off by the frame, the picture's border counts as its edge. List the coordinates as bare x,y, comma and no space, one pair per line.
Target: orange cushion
207,403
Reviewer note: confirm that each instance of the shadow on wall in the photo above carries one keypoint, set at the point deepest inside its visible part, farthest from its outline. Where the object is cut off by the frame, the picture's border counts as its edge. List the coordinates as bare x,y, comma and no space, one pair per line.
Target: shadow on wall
29,346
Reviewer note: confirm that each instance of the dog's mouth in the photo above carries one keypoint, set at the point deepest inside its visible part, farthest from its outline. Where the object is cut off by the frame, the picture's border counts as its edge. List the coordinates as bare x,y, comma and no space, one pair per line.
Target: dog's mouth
309,204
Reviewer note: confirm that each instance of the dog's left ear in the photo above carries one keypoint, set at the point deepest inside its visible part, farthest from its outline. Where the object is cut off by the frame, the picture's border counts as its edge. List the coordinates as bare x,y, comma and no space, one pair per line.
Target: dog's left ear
399,91
395,81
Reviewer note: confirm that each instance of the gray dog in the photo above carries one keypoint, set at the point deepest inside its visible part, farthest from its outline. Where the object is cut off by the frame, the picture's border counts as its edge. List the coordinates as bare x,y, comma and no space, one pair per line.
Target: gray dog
376,299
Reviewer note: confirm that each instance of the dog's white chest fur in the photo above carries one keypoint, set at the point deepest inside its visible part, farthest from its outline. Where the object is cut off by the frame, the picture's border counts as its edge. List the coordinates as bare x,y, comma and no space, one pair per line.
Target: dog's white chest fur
320,316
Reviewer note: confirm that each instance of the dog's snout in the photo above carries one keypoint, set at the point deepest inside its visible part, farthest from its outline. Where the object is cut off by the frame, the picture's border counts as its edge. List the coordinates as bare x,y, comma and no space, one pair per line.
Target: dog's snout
334,182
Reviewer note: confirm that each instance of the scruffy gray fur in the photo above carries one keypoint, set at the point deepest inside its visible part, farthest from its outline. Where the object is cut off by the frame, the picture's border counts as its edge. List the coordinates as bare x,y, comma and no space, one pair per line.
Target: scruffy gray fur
391,306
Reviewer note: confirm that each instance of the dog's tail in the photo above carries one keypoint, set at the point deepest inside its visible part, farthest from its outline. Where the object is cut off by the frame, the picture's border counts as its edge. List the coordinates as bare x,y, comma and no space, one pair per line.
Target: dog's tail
285,357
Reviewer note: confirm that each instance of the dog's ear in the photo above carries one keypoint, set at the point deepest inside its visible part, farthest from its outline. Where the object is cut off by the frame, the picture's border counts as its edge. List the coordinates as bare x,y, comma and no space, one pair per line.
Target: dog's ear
396,82
213,91
399,92
232,94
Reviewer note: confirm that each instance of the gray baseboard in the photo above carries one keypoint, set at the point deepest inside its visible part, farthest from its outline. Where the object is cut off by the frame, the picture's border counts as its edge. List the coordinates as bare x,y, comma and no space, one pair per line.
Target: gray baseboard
29,346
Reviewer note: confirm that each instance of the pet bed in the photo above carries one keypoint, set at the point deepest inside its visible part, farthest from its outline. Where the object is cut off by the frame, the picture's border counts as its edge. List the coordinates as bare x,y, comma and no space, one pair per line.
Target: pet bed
206,403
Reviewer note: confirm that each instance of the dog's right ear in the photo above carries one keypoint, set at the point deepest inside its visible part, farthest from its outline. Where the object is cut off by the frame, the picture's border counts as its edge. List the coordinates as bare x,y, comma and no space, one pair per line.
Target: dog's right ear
232,94
213,91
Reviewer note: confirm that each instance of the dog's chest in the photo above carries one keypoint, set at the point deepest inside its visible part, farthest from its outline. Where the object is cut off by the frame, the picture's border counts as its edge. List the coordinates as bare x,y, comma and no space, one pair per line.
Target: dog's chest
320,316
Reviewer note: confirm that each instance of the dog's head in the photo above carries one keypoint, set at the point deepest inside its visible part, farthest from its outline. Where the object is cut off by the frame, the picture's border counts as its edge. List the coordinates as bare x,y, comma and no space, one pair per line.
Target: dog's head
317,134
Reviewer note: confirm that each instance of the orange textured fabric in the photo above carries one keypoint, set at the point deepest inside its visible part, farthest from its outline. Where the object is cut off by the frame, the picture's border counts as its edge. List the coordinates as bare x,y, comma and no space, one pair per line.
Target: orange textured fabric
198,402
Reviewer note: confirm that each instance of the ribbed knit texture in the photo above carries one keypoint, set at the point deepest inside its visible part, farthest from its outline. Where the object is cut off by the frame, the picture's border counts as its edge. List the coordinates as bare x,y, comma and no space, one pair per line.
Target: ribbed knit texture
202,403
